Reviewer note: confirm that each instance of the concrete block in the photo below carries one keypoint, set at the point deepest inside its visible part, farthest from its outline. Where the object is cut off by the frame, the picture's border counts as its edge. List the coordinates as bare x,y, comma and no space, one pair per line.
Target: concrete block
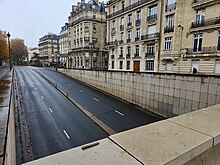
106,152
202,105
218,99
177,84
196,96
161,89
183,85
189,95
182,103
197,86
188,104
182,94
176,101
195,105
203,97
189,86
213,88
211,100
170,99
204,88
172,143
206,121
176,92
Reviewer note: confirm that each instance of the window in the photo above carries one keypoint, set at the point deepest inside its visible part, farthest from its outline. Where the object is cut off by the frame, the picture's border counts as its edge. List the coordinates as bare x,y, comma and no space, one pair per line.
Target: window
138,33
94,16
122,21
152,10
121,51
130,18
137,50
171,2
113,9
195,64
113,64
138,15
86,25
129,50
170,21
128,65
123,5
121,65
150,50
113,24
200,16
217,66
129,34
130,2
122,36
218,47
86,15
150,65
197,46
168,43
169,66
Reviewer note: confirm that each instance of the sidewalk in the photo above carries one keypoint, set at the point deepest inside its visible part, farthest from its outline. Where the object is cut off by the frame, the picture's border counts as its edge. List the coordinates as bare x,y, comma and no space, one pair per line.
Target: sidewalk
3,70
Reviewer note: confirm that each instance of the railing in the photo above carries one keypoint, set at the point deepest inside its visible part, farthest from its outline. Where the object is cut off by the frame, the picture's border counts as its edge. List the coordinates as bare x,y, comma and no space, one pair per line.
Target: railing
120,56
129,23
112,56
171,6
204,50
127,8
149,54
169,29
113,29
203,1
137,38
121,42
82,19
152,17
136,55
128,40
110,43
207,22
138,22
150,36
128,56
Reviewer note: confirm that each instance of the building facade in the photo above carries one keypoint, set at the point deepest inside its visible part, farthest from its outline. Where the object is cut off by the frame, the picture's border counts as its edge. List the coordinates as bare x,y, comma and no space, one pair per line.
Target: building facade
133,34
48,49
63,45
191,36
32,52
87,36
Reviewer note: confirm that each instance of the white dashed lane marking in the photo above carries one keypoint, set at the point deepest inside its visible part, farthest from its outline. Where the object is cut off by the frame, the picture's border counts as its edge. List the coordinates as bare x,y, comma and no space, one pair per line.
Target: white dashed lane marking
95,99
66,134
119,113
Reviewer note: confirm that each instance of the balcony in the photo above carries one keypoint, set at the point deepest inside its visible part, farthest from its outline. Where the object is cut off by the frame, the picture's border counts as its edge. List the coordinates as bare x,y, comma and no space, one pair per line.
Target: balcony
149,54
94,28
136,56
128,40
198,4
151,36
112,56
86,38
152,18
121,42
207,22
121,56
213,50
137,38
138,22
171,7
110,43
169,29
128,56
121,27
129,24
130,7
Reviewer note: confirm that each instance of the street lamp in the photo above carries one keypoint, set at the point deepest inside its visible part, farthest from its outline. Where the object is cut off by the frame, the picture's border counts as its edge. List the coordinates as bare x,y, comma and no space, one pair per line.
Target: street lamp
9,51
91,51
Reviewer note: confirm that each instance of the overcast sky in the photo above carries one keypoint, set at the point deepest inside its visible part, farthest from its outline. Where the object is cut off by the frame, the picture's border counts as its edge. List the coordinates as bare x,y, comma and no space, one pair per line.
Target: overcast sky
31,19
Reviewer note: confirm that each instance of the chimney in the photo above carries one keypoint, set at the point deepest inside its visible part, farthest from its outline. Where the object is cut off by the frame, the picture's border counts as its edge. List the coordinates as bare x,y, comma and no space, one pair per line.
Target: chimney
82,1
78,4
74,8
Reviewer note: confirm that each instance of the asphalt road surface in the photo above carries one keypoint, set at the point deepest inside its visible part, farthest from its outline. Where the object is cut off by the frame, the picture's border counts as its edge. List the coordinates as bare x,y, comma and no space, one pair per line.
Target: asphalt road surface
55,124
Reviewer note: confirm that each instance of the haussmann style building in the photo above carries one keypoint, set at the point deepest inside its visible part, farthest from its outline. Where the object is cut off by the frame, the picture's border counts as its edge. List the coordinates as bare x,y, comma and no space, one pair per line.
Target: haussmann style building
48,49
87,36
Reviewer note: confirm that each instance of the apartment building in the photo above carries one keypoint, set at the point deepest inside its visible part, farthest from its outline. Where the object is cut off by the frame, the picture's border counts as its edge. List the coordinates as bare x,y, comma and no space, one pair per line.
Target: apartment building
48,49
63,45
190,36
133,34
87,36
32,52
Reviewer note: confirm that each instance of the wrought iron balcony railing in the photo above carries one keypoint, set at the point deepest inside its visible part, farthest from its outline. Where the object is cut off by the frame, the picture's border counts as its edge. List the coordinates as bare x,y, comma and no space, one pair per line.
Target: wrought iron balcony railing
121,27
152,17
169,29
204,50
150,36
128,56
137,38
112,56
207,22
121,42
120,56
128,40
149,54
138,22
129,24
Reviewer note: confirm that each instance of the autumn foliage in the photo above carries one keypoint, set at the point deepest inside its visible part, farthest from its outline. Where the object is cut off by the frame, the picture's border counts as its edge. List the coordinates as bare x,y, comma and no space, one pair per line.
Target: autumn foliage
3,47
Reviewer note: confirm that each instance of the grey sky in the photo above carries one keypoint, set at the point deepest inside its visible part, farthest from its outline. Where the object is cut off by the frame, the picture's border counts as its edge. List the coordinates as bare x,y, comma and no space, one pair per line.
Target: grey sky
31,19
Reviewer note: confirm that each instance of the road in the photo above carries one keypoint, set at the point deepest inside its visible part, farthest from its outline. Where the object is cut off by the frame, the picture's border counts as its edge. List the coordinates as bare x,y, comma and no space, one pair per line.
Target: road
56,124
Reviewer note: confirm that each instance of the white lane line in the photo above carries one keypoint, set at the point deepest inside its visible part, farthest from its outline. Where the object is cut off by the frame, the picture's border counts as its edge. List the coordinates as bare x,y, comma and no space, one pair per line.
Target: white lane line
66,134
81,91
50,110
119,113
95,99
42,97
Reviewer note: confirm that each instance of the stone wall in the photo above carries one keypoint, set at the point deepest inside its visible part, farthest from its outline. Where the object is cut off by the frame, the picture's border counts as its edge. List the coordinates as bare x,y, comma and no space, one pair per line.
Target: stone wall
162,93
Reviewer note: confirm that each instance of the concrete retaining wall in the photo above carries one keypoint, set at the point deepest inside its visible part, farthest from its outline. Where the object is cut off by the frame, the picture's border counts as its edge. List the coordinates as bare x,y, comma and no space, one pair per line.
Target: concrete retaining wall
165,94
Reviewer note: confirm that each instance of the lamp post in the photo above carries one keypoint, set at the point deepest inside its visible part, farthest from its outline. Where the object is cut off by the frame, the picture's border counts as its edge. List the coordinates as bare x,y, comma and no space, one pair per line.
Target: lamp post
91,51
9,51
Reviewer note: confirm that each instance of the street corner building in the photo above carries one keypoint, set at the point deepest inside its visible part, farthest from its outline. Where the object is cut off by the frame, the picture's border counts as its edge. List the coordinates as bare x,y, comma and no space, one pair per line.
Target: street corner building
87,36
